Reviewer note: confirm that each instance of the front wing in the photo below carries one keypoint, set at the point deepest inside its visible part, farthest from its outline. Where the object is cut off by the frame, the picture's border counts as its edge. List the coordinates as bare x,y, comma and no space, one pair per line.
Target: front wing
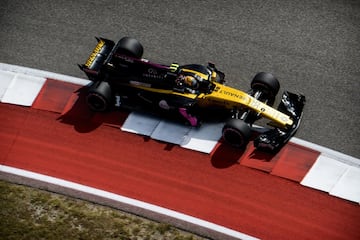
272,140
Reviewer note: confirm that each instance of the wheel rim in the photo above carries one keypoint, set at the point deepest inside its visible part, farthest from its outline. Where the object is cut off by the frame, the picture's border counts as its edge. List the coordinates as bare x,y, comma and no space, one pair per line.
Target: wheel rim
234,137
96,102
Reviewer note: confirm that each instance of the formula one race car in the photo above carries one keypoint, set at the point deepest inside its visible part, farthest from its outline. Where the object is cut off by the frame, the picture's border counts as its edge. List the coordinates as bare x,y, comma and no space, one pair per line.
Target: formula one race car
191,93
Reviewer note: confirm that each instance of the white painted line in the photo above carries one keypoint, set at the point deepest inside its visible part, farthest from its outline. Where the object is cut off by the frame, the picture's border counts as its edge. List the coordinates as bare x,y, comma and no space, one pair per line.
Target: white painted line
41,73
5,80
170,132
204,138
23,90
348,186
139,123
324,173
226,232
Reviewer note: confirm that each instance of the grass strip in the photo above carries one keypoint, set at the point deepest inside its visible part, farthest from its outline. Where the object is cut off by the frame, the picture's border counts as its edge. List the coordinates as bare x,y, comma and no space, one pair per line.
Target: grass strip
29,213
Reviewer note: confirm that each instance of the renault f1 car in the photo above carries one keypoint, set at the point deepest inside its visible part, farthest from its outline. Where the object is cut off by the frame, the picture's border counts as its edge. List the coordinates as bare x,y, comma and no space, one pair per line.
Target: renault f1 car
193,93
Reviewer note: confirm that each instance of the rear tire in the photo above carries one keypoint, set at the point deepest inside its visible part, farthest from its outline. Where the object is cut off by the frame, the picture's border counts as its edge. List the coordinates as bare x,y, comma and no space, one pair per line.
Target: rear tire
99,97
130,46
237,133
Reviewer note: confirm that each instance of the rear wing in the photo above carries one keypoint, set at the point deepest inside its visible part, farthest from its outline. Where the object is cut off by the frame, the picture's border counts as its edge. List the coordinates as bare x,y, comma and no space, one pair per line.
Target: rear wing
97,58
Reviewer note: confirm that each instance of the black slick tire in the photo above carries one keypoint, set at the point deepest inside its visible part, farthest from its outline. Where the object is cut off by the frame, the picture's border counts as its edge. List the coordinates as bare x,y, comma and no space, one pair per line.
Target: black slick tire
236,132
130,46
265,82
99,96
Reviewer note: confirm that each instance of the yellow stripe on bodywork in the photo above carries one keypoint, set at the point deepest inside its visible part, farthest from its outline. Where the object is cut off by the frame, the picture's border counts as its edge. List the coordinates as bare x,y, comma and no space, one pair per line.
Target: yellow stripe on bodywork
269,112
232,98
164,91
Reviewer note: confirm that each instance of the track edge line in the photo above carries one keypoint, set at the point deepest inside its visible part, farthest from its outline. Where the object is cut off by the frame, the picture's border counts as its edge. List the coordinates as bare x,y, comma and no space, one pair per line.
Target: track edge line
157,213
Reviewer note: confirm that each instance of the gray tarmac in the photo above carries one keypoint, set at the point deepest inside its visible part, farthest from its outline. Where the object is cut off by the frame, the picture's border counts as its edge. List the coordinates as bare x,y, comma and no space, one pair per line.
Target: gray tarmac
313,47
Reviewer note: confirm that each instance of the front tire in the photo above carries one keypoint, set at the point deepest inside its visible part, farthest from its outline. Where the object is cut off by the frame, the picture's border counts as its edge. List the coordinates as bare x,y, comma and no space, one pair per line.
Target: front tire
99,97
237,133
266,83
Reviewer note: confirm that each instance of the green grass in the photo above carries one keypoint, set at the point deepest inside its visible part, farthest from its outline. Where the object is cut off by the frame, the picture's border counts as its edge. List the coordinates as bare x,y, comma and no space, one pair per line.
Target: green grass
28,213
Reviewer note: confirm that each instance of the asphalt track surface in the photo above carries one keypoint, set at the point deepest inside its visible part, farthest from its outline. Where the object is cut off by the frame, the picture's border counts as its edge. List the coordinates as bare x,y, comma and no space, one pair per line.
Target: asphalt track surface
311,46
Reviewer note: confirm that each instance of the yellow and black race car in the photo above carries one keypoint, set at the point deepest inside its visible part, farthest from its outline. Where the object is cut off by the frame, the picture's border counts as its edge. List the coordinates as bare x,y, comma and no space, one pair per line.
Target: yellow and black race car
191,93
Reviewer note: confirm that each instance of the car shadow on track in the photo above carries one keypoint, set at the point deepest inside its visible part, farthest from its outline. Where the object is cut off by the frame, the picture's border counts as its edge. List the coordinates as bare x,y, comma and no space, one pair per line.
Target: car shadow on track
78,114
225,156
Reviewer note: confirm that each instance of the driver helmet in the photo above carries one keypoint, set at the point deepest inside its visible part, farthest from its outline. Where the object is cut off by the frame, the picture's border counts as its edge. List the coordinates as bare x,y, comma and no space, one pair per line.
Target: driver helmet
190,82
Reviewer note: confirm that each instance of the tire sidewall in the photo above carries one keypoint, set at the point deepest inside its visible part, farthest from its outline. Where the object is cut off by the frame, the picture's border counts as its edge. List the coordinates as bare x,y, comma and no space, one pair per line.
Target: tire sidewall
131,47
237,133
99,96
266,82
93,99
